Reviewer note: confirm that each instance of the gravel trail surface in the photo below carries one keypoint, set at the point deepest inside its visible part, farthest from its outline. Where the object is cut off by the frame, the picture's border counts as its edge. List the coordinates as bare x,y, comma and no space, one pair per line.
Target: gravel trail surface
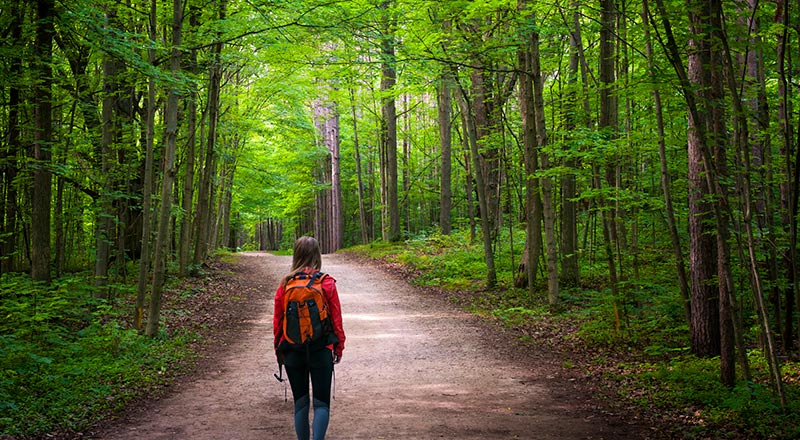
414,367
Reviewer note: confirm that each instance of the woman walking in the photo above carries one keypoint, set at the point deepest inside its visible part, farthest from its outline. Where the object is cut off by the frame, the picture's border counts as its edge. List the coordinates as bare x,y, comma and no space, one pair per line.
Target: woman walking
309,337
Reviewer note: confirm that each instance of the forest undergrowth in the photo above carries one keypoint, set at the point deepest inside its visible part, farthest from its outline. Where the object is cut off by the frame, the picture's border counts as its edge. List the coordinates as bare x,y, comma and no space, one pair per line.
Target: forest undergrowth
632,349
69,360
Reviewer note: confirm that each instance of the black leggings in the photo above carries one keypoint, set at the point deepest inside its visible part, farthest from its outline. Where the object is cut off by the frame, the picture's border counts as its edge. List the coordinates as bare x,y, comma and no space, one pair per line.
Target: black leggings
319,365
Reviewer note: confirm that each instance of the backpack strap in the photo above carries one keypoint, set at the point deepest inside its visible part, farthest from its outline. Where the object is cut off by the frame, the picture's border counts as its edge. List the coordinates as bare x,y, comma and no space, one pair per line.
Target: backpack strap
315,277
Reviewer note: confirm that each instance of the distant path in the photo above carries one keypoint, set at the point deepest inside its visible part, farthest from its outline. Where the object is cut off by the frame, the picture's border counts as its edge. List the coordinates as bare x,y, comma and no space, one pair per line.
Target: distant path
414,367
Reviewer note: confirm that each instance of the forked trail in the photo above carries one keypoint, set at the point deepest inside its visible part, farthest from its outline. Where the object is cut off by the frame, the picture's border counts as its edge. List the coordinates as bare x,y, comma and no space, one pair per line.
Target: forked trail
414,367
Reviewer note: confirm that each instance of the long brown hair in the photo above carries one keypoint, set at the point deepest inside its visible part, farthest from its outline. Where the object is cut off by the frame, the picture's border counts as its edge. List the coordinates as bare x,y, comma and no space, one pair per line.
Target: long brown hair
306,254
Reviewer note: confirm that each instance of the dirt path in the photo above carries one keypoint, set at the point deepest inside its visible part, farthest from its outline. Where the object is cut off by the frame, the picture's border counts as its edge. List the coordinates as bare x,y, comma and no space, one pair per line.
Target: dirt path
413,368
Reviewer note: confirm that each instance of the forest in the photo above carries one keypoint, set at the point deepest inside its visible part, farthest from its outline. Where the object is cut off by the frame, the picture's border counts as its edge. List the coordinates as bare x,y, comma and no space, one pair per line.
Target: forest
647,151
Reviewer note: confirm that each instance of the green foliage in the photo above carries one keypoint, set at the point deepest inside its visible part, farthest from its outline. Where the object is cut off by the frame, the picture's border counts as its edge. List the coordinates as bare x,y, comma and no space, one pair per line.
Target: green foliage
67,359
447,261
689,388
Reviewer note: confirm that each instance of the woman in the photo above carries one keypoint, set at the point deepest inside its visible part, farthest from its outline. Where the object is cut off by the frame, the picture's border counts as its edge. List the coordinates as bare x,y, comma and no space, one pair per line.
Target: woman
316,360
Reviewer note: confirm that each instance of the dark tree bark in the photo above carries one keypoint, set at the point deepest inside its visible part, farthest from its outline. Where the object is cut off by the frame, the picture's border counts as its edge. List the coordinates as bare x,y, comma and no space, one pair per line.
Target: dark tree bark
364,230
9,165
104,237
533,245
205,192
445,143
570,274
705,324
168,178
711,333
42,140
548,208
791,188
469,177
147,196
389,124
184,244
608,124
329,227
483,108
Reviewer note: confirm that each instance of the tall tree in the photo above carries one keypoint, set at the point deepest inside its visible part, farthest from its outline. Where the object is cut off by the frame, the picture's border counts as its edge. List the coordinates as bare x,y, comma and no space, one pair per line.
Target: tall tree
529,127
711,326
104,234
548,208
42,140
184,246
203,239
362,213
168,175
790,190
445,142
391,218
570,274
471,136
329,224
608,125
708,301
147,218
9,166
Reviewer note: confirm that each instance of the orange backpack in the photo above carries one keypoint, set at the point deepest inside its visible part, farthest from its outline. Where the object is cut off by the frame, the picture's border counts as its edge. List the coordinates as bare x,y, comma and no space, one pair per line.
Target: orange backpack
305,318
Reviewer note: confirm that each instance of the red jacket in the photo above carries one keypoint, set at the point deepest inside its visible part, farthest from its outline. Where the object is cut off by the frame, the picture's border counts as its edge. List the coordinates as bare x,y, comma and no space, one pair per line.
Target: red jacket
334,310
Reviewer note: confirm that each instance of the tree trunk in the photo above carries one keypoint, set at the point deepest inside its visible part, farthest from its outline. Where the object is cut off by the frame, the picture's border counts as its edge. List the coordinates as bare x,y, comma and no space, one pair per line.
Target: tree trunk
147,219
337,217
789,189
472,137
389,122
405,207
705,325
468,177
8,153
607,123
42,139
482,111
706,23
701,88
533,241
548,210
184,244
329,209
362,214
110,133
570,274
205,191
223,233
445,143
168,180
